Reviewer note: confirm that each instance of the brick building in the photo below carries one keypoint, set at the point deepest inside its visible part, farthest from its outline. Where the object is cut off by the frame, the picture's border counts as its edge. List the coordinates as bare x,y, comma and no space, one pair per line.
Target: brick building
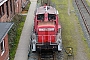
8,8
4,49
19,4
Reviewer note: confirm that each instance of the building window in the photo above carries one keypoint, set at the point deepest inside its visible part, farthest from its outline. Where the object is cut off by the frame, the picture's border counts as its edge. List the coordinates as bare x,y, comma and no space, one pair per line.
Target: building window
3,9
11,5
0,12
8,58
15,0
7,8
2,47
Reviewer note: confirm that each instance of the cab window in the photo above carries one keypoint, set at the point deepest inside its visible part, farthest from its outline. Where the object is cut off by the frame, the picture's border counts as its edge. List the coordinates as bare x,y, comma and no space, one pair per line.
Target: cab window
52,17
40,17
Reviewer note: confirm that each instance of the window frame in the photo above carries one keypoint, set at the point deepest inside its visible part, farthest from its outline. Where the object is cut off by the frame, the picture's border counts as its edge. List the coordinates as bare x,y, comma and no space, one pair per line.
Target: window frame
3,12
8,58
0,12
7,8
15,0
2,50
11,6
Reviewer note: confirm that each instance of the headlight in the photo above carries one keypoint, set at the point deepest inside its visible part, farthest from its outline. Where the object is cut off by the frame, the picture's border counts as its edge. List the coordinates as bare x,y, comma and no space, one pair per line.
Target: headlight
59,41
34,42
33,36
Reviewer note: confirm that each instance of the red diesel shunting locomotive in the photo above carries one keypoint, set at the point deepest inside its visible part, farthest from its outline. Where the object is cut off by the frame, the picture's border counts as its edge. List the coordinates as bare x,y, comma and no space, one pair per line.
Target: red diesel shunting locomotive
47,31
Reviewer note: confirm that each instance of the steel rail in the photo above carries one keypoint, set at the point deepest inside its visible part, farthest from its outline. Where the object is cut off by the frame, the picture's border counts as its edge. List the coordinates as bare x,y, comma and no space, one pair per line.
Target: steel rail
78,2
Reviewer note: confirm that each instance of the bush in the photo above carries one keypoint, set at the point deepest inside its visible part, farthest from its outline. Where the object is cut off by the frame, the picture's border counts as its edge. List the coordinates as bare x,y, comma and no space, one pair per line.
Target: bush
14,34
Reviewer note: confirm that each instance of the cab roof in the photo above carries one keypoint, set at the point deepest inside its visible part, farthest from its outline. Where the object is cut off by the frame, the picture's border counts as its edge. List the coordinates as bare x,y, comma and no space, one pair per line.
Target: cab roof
46,9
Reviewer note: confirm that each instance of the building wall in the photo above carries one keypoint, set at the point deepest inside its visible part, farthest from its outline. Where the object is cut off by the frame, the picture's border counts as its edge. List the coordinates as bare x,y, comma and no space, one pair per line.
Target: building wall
11,13
6,53
18,5
16,8
6,17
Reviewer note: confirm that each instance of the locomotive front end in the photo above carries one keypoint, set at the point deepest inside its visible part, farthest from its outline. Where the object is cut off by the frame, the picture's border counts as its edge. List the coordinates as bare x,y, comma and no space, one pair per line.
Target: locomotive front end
47,31
46,38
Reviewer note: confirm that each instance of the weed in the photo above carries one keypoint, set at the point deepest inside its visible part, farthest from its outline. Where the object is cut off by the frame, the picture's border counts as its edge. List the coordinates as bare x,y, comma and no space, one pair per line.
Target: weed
14,34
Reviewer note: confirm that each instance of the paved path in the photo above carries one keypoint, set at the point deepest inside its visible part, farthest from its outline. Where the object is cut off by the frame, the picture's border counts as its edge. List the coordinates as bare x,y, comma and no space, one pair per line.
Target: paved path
22,50
89,0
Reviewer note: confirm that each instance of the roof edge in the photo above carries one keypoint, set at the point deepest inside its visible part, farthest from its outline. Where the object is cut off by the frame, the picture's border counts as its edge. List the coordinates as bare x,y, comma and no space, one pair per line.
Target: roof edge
6,32
2,2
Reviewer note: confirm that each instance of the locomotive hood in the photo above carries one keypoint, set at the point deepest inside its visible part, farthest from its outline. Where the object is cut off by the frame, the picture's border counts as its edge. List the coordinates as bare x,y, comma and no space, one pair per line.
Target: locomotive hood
46,28
46,32
46,24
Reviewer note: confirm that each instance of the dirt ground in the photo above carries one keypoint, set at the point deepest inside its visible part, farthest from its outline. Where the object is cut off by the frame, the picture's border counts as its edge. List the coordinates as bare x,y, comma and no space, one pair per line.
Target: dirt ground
80,44
77,34
80,54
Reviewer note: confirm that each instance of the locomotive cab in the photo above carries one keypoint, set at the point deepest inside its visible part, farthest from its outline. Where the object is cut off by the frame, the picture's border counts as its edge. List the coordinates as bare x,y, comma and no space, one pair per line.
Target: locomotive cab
47,31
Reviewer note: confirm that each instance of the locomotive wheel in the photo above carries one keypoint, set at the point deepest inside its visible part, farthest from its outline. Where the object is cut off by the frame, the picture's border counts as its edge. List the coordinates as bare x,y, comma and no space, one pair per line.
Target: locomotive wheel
39,57
54,57
59,55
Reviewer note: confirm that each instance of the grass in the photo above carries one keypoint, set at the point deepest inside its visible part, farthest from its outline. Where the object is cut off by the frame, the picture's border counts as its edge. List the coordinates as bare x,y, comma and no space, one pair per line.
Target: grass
28,5
14,34
88,2
68,25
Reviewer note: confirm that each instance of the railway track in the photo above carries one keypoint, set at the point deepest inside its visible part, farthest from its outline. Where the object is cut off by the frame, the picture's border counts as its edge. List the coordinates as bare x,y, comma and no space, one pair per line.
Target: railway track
84,12
46,56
